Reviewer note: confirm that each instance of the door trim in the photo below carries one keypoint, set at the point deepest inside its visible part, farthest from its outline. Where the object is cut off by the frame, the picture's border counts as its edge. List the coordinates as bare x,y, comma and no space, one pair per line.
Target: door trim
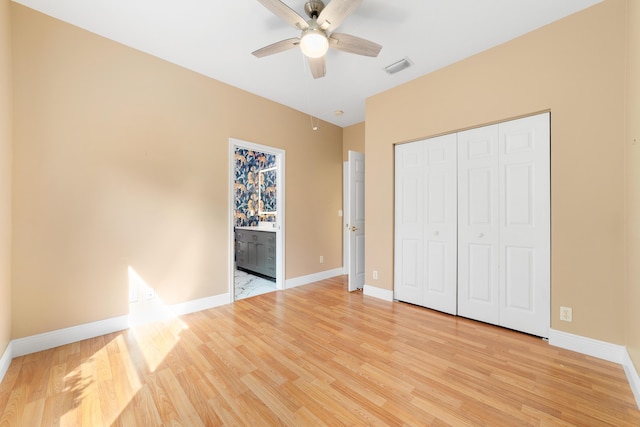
280,217
345,218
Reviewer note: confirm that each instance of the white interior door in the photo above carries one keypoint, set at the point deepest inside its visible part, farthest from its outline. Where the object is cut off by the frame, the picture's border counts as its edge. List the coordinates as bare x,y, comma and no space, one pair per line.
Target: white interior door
426,236
356,220
525,235
478,224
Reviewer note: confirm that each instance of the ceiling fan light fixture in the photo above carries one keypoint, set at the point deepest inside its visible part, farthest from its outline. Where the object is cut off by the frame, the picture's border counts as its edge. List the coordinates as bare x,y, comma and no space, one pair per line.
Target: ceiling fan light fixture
314,43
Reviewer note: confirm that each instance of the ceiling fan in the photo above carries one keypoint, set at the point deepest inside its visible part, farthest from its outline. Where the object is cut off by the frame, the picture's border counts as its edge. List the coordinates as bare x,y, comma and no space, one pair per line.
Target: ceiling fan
317,32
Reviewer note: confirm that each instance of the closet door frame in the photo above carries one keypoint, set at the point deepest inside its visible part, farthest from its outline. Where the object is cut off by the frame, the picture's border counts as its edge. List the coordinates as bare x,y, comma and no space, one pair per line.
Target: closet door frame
503,241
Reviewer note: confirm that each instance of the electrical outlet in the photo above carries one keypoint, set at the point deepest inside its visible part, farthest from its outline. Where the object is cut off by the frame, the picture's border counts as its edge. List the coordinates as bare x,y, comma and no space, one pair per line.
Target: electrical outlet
133,292
375,274
150,293
321,259
566,314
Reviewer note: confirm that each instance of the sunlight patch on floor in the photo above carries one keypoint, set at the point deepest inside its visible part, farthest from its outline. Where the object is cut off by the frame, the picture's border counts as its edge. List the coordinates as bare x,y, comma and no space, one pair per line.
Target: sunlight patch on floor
97,398
155,327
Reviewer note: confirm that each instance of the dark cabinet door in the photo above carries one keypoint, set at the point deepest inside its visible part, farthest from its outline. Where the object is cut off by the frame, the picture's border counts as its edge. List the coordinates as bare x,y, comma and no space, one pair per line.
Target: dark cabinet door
256,251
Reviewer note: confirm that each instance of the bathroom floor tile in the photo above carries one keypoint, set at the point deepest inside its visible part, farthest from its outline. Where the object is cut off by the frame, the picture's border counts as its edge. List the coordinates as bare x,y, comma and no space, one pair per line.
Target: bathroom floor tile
248,285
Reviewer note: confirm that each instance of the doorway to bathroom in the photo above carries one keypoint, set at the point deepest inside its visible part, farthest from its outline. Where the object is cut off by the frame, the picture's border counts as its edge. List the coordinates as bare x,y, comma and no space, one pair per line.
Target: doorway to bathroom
256,260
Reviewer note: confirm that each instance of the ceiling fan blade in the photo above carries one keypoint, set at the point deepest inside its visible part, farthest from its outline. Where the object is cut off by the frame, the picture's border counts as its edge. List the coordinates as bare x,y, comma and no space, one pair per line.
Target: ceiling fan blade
353,44
318,66
276,47
286,13
334,14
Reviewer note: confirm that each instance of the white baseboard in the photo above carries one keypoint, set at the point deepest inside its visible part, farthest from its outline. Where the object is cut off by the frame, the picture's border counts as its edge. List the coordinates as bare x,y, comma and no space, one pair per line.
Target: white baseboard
20,347
200,304
372,291
589,346
316,277
47,340
632,376
5,360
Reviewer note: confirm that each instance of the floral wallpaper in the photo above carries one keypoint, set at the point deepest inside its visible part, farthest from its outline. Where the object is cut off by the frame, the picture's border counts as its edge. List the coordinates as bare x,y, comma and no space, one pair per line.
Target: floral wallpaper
247,188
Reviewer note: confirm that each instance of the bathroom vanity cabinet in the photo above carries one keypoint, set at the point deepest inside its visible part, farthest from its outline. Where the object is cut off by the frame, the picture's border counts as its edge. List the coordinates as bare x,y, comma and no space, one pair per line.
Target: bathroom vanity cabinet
256,251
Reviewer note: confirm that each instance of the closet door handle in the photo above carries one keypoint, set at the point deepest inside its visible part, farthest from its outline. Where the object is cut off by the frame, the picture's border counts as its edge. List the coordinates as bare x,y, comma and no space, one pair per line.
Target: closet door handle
436,233
481,235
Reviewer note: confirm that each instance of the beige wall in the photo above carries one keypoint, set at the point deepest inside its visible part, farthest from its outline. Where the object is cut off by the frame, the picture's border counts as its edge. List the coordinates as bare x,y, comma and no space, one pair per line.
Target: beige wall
632,145
121,159
352,140
5,175
575,69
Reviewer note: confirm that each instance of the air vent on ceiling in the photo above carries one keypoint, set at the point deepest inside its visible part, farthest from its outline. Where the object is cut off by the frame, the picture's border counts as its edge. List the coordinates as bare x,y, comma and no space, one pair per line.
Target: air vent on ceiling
397,66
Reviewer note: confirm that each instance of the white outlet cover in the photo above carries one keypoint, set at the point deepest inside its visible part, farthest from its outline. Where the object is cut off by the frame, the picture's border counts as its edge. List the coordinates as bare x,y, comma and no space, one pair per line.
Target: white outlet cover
566,314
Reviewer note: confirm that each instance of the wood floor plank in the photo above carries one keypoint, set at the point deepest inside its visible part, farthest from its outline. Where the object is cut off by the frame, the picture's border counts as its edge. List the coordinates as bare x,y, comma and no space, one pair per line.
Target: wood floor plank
333,406
91,411
315,355
165,406
33,412
143,410
271,397
198,391
108,399
179,398
15,406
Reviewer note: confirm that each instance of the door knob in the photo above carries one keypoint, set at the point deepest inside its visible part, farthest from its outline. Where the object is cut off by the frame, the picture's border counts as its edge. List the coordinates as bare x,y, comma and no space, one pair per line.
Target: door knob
481,235
354,228
436,233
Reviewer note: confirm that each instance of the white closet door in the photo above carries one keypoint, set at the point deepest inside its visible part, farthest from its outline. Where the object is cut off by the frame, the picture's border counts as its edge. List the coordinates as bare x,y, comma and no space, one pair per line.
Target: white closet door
409,227
426,236
440,224
478,224
525,225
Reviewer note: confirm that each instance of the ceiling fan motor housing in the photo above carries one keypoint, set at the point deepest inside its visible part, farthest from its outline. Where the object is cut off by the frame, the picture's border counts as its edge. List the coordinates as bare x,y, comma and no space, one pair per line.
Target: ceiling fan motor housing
313,8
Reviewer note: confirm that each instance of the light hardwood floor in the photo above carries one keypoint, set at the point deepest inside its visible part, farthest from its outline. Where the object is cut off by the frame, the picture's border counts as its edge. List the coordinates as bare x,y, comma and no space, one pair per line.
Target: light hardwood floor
315,355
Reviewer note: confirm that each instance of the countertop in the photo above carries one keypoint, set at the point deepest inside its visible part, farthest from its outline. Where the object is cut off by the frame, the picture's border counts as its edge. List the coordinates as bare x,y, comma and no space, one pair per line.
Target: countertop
258,228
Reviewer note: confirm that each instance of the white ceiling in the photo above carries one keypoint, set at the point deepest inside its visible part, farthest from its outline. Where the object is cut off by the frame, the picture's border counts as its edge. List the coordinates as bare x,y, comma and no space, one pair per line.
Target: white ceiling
216,38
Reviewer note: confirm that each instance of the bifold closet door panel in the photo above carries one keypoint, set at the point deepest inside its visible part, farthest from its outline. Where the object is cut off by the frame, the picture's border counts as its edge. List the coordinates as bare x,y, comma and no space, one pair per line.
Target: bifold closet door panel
478,224
409,204
426,223
440,224
504,224
525,236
